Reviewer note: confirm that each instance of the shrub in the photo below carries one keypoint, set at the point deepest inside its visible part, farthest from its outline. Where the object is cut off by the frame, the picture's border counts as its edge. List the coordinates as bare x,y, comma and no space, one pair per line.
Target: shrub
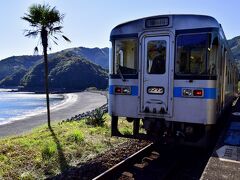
96,118
76,136
48,150
3,158
126,131
92,130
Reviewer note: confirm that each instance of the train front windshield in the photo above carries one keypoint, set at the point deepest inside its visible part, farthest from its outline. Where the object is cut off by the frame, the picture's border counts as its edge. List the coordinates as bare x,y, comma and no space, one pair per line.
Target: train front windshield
196,54
125,56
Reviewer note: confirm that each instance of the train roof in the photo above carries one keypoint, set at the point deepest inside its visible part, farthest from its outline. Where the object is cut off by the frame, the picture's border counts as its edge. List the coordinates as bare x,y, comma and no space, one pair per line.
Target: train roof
174,21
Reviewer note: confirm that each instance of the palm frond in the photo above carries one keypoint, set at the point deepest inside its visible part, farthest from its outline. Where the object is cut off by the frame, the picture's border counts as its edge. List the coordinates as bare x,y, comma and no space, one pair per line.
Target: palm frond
28,19
66,39
55,29
35,52
54,41
53,16
58,28
36,12
29,33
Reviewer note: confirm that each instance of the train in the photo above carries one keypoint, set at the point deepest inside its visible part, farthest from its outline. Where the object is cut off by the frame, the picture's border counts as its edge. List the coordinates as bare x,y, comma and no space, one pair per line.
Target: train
171,76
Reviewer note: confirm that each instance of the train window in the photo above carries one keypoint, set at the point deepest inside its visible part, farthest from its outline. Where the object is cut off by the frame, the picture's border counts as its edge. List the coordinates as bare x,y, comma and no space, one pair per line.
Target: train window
125,58
110,59
212,55
192,54
156,54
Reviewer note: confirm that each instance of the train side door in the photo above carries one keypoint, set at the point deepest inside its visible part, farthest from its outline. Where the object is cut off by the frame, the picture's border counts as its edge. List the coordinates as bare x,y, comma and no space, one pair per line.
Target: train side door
155,78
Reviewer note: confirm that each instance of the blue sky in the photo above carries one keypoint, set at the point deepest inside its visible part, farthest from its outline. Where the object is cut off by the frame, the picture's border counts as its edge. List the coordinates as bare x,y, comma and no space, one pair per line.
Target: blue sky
88,22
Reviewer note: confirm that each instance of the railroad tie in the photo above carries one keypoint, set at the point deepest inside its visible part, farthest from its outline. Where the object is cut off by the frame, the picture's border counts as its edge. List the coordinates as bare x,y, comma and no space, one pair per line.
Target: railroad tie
154,155
127,174
141,166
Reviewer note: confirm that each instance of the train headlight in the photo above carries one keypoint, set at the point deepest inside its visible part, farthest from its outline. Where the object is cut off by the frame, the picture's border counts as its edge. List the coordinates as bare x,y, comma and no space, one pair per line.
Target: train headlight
187,92
126,90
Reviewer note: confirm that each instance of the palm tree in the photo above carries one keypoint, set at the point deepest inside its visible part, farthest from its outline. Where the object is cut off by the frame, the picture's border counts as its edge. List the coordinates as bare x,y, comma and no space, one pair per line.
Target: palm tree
45,23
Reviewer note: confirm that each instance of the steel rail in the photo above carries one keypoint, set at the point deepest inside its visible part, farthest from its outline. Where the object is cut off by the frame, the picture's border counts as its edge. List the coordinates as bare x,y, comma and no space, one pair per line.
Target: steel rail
111,173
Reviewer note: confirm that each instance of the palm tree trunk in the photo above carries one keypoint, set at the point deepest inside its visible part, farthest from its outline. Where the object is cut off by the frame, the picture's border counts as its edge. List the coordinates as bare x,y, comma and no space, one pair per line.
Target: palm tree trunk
46,85
44,36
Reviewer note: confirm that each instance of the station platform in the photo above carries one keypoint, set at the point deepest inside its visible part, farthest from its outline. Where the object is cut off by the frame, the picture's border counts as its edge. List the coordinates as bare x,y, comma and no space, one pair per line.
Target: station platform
225,160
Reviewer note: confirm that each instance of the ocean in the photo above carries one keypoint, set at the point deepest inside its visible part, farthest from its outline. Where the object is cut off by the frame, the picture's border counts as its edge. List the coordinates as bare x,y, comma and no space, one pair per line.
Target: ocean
18,105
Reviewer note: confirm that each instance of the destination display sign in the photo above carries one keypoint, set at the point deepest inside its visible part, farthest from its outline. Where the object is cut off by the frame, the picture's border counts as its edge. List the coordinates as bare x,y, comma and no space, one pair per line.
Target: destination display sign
155,90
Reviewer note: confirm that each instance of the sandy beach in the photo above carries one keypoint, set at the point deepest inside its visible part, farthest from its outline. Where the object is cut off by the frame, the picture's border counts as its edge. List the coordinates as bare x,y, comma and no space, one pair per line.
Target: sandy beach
74,103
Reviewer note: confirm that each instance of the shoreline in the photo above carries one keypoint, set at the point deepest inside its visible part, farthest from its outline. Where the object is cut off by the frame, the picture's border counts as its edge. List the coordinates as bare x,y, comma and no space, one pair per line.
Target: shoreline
75,103
53,107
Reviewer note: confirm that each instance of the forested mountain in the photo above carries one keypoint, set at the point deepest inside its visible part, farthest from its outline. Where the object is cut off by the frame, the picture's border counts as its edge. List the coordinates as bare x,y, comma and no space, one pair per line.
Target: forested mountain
13,64
66,73
234,44
95,55
70,69
14,78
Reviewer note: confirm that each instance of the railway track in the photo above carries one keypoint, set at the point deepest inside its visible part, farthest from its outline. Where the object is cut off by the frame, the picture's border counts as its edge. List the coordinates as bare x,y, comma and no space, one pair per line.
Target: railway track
148,163
160,162
114,172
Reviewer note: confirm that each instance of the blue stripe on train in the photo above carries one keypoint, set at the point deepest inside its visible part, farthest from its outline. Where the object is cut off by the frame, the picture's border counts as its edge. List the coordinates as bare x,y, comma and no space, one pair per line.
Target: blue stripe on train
111,89
134,90
209,93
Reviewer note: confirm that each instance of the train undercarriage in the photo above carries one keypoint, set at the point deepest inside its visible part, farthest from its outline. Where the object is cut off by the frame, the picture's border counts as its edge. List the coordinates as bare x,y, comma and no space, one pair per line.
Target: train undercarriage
166,132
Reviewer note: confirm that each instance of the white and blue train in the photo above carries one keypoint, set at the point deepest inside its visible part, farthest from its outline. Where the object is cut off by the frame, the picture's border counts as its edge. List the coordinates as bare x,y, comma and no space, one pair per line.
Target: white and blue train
172,75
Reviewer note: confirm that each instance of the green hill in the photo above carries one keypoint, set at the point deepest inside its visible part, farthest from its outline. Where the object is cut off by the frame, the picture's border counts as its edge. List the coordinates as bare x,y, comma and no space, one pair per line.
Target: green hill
69,70
234,44
13,64
66,73
95,55
13,79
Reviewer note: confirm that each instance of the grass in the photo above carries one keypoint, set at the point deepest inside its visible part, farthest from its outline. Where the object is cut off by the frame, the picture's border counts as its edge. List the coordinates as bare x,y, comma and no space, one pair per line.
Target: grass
46,152
238,86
